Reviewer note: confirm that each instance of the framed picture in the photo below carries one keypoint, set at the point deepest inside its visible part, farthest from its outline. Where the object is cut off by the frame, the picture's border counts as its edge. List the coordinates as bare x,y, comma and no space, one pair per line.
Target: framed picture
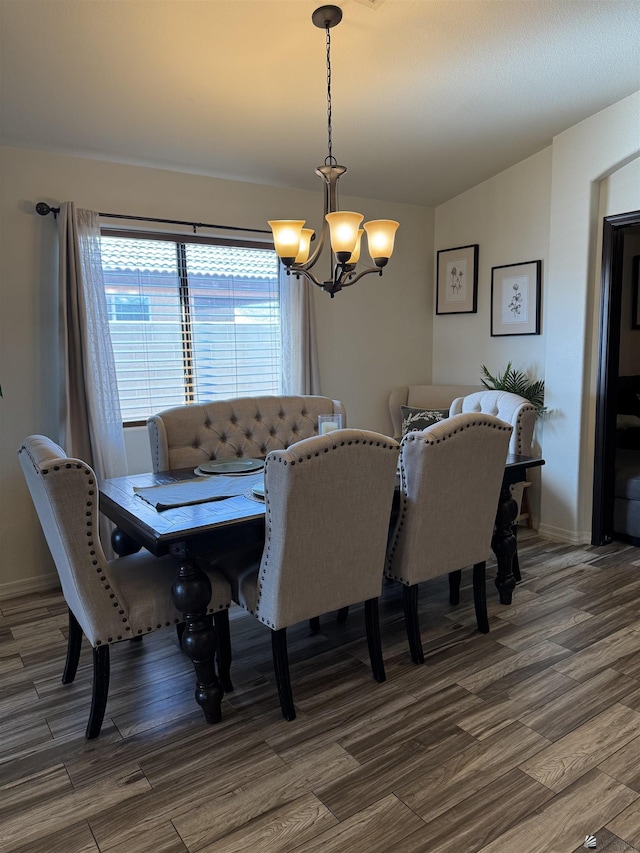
635,284
515,299
457,280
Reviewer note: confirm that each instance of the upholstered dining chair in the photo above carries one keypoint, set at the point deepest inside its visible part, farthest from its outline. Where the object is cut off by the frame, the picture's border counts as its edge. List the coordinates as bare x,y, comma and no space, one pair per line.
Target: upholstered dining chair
511,408
450,479
514,410
109,600
327,502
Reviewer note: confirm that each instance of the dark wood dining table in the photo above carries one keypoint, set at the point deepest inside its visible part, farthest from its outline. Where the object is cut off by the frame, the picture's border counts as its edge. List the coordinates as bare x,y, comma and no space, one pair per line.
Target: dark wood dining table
188,532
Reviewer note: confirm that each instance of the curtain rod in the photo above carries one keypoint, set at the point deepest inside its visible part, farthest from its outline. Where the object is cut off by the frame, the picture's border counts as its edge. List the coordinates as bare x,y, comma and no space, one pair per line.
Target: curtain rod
44,210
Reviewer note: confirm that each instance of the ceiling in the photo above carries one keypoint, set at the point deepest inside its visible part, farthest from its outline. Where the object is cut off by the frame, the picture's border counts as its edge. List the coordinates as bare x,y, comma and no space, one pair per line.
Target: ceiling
429,97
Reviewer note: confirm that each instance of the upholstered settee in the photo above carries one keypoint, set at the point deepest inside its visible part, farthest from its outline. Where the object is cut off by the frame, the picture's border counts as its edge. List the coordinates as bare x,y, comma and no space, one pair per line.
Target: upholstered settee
187,436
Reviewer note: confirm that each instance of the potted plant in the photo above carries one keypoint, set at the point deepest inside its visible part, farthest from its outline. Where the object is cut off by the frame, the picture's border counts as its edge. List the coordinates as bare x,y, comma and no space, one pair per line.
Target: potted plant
517,382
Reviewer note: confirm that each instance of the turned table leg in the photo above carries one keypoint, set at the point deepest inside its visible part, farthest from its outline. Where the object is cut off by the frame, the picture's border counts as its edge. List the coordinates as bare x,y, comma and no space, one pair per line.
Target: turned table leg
504,543
191,595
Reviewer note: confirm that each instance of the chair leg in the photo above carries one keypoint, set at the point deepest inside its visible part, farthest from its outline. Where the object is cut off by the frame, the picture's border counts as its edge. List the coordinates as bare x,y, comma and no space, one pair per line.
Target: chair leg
373,639
454,586
314,624
343,614
100,691
221,624
281,669
480,597
74,645
412,623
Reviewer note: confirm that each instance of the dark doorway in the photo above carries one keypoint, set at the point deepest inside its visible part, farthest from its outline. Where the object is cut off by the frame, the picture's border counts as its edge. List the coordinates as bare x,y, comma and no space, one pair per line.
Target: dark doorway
615,227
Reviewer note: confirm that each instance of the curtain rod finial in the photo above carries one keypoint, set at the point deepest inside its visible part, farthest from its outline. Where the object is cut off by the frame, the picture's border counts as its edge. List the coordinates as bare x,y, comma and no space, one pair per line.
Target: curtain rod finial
44,209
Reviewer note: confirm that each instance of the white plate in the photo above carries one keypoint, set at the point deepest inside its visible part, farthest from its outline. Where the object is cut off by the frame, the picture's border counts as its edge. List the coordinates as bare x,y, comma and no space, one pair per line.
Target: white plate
258,490
233,466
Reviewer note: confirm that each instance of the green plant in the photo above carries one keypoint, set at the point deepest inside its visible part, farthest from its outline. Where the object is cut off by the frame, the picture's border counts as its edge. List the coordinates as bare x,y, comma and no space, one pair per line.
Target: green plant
516,382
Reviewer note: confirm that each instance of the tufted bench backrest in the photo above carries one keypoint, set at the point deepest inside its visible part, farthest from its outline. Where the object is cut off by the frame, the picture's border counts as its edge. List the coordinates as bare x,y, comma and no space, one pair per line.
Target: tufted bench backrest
187,436
511,408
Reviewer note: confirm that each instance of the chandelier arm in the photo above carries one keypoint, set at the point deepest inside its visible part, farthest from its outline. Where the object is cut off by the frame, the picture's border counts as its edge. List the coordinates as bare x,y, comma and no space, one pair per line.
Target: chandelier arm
322,239
311,278
345,281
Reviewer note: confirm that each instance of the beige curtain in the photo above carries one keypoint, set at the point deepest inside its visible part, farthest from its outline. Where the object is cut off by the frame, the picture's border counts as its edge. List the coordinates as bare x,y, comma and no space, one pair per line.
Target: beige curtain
91,423
300,374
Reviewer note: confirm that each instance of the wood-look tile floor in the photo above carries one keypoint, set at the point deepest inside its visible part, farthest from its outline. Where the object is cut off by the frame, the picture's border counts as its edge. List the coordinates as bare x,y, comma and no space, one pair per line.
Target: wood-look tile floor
525,740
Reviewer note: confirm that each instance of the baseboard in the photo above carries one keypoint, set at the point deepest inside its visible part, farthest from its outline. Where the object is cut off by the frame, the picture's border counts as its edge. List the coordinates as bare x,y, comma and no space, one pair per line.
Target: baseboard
559,534
44,583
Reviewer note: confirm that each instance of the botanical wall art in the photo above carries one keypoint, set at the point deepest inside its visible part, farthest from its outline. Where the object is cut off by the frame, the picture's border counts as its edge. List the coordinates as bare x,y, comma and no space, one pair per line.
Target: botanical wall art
515,299
457,280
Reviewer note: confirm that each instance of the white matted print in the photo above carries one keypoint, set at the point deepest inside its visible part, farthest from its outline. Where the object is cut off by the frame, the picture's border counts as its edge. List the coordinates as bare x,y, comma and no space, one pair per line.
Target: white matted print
457,280
515,299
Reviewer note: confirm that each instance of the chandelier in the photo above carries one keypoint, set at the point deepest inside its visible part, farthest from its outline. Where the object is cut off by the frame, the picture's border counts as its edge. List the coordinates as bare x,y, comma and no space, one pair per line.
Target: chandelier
293,241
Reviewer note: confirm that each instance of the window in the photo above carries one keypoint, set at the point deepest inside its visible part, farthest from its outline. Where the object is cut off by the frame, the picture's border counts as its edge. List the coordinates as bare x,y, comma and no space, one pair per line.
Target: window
128,307
190,321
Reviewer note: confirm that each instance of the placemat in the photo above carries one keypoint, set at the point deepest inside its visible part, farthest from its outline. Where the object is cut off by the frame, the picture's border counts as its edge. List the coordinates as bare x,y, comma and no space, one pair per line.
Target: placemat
197,491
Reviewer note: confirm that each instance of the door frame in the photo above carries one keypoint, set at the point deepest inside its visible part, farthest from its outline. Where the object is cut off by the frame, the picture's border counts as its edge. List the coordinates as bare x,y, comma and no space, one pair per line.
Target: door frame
608,364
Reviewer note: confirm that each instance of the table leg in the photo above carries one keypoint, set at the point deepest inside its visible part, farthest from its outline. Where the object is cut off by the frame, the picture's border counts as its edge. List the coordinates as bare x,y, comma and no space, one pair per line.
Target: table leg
504,544
123,544
191,595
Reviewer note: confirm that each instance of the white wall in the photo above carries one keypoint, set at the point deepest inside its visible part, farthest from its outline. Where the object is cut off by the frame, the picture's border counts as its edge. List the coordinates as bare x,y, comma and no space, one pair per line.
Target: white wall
371,337
583,157
547,207
508,216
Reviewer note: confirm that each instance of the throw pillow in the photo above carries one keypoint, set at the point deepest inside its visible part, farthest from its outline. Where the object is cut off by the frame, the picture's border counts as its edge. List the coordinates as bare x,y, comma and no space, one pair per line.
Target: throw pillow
419,419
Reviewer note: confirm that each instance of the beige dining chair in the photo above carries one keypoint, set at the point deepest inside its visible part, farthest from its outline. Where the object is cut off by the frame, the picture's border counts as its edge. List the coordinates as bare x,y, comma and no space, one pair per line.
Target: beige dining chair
109,601
522,415
450,479
327,503
511,408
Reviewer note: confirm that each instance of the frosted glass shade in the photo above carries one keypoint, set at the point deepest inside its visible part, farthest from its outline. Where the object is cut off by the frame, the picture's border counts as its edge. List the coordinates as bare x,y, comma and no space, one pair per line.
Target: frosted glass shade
355,256
286,237
305,245
343,229
380,237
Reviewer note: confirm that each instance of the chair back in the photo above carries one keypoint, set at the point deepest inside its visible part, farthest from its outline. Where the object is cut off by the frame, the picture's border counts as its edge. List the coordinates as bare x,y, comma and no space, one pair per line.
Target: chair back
188,436
65,495
510,408
423,397
328,504
450,479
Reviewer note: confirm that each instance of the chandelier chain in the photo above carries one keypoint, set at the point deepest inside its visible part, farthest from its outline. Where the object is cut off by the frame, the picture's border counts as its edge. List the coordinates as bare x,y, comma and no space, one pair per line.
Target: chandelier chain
330,160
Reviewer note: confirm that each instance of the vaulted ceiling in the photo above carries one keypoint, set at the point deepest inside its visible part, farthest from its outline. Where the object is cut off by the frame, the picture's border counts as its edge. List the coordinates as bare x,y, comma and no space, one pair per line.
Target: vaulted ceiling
429,97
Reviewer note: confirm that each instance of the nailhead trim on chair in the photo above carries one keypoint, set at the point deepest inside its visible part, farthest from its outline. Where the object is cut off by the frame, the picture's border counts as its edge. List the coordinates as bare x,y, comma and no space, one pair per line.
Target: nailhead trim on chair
420,436
268,515
104,580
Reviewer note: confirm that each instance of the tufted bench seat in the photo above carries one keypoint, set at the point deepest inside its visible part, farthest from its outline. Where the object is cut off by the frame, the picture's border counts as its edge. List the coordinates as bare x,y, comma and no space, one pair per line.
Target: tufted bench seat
188,436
